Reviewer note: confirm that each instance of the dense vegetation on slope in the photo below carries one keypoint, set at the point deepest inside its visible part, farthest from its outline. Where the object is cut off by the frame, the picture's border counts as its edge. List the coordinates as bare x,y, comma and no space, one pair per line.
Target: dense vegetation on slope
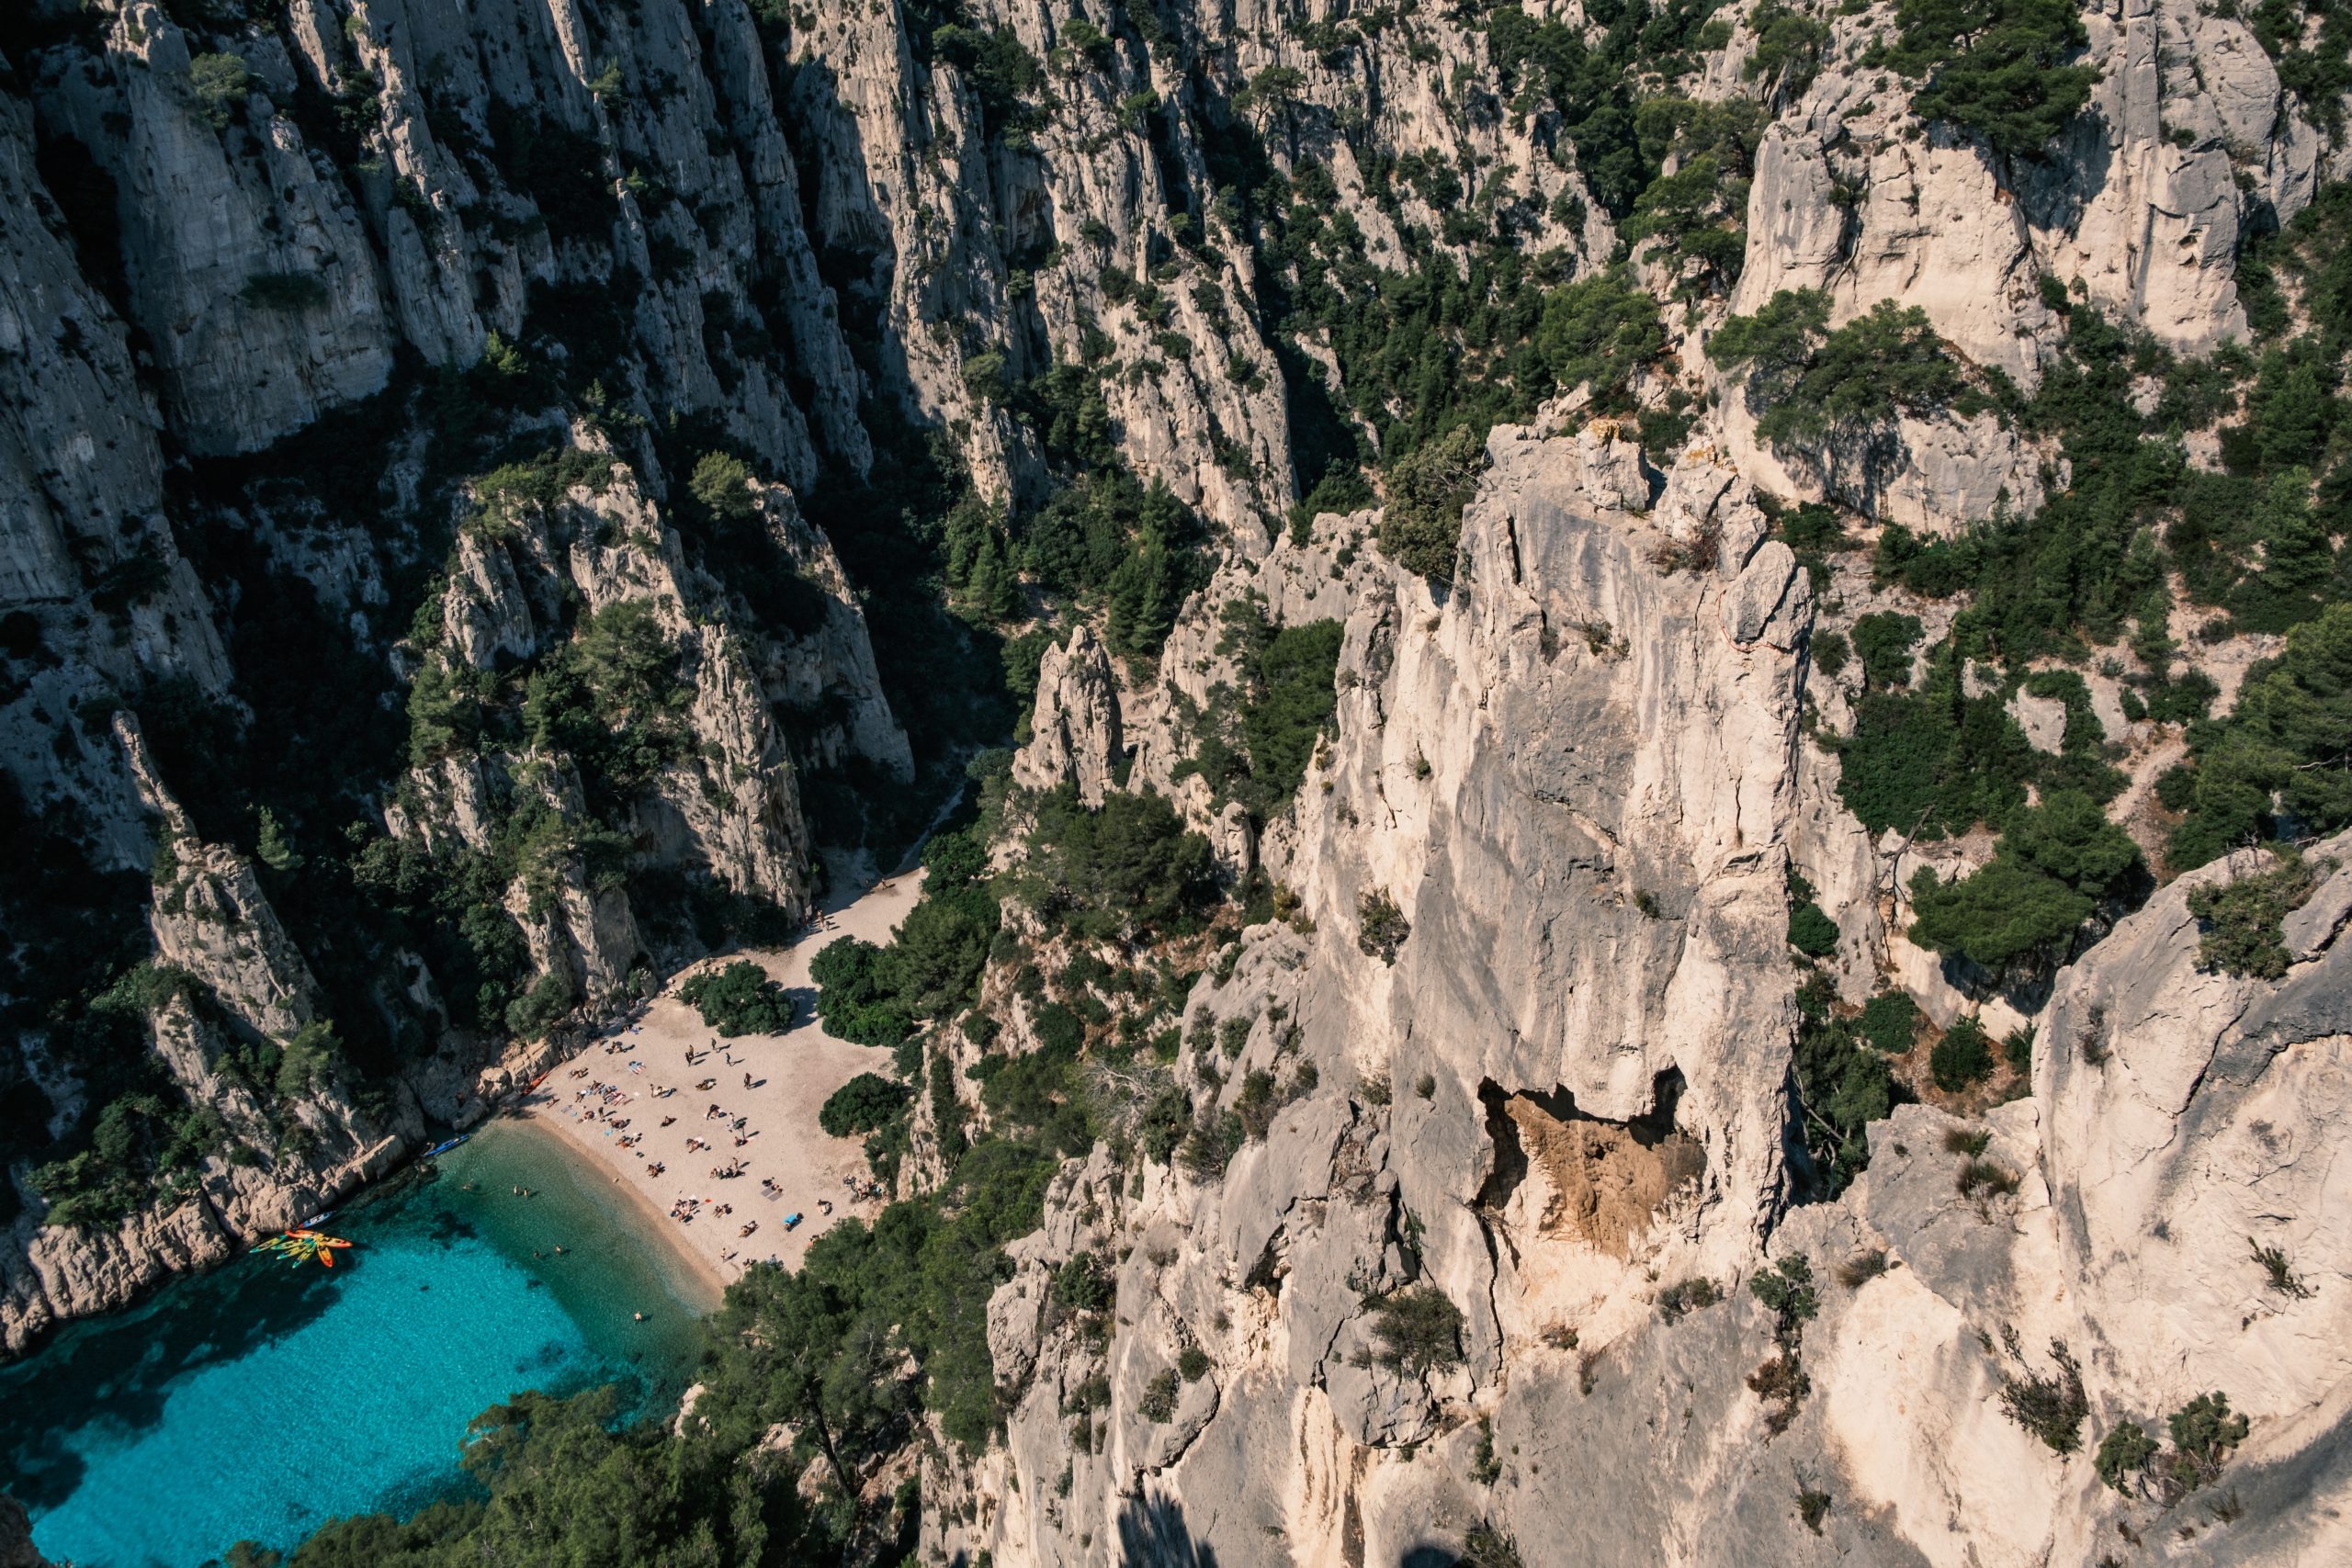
1482,327
1253,743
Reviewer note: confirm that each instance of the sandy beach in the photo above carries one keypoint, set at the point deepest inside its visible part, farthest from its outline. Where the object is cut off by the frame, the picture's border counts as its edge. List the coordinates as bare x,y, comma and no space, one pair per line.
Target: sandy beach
789,1077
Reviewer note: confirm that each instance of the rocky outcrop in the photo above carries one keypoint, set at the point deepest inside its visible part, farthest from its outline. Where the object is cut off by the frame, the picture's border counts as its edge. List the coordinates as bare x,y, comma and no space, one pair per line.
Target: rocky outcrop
211,918
2187,142
724,806
1575,737
1074,733
1936,474
2153,1211
247,268
17,1550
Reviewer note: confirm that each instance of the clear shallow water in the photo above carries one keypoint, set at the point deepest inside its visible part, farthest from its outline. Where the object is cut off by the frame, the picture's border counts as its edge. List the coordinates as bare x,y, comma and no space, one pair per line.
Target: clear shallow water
258,1401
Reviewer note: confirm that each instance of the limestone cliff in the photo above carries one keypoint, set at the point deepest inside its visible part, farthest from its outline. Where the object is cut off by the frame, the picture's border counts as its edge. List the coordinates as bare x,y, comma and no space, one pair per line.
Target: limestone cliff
239,249
489,491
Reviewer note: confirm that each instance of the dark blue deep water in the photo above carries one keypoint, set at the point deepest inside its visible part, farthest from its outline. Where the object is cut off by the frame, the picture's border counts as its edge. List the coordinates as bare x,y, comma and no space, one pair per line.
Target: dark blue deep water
257,1400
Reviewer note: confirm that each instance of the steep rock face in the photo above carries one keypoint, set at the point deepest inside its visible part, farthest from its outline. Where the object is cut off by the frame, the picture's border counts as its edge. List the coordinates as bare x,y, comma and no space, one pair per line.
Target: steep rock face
2187,140
1590,732
1074,734
2188,146
2173,1106
197,263
215,931
211,918
827,669
724,804
1573,739
386,160
1009,236
2182,1109
81,522
1935,475
250,272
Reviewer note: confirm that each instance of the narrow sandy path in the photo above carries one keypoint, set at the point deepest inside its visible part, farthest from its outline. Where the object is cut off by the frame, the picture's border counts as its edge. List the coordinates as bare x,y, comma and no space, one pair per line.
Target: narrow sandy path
791,1077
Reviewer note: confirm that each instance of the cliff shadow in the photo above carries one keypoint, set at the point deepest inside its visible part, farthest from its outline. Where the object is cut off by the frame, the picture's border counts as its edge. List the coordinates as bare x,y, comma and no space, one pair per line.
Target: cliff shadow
119,1371
1153,1533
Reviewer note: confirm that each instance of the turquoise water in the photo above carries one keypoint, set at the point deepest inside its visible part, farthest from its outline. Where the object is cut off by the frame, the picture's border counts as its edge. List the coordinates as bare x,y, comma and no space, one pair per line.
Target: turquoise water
257,1400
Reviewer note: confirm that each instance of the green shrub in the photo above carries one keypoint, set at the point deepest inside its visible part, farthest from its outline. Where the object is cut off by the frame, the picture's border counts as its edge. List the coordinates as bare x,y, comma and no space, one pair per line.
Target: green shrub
1381,926
2243,922
1598,331
1059,1030
1255,1104
1167,1118
1841,1086
310,1056
721,483
532,1014
220,83
1484,1546
1809,384
1862,1268
2203,1433
1890,1022
1485,1465
857,993
1812,932
1786,1291
2050,1406
939,949
1418,1328
2126,1451
2277,753
2016,1049
290,291
1233,1034
867,1103
1788,47
1212,1143
1963,1058
1684,1297
1158,1402
1126,869
1421,526
2056,863
1980,1178
1995,915
1083,1284
1192,1363
1002,73
2280,1271
739,999
1254,745
1885,641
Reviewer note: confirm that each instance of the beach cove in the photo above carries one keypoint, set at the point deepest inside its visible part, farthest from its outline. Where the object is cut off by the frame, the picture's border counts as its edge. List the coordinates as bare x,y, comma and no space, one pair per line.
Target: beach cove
605,1102
542,1253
